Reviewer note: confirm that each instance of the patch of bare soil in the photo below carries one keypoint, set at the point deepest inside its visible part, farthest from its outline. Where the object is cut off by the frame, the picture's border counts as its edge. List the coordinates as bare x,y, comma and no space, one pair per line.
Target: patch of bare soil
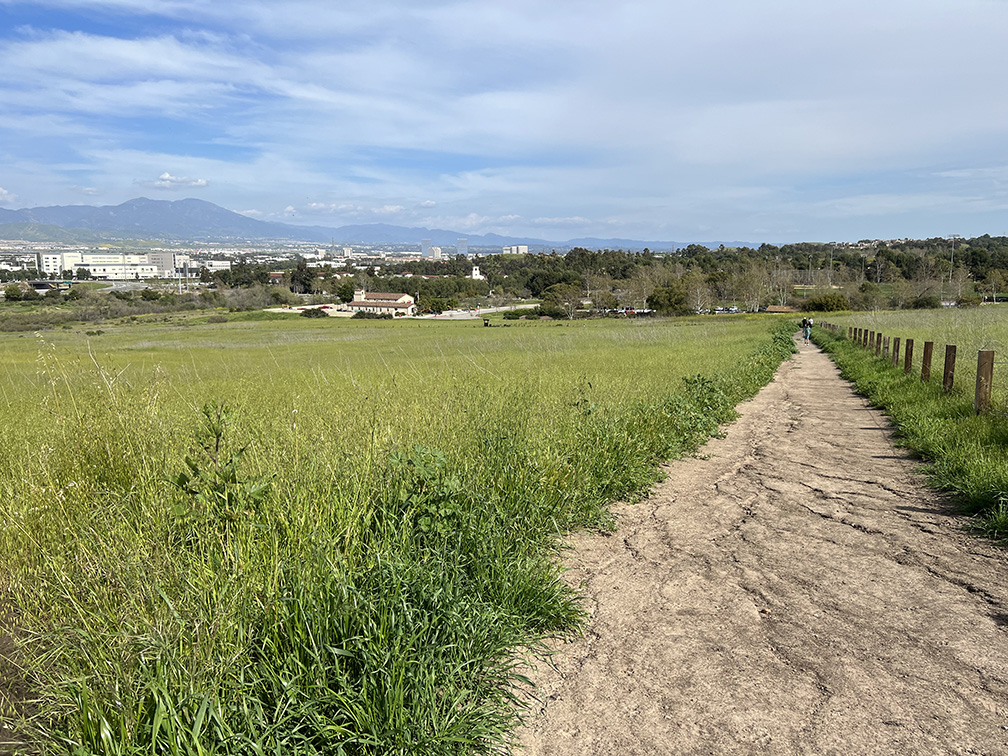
794,589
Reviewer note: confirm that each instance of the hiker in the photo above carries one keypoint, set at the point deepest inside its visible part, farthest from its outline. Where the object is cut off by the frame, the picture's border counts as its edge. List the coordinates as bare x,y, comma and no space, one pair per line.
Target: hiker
806,329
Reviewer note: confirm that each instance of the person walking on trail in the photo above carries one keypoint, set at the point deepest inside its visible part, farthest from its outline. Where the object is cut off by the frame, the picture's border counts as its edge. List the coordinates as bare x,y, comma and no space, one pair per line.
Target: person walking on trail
806,326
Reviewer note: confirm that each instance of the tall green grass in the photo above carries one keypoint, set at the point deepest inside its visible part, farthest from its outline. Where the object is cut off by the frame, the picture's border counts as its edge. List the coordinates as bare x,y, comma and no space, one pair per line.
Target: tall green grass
337,537
971,330
967,454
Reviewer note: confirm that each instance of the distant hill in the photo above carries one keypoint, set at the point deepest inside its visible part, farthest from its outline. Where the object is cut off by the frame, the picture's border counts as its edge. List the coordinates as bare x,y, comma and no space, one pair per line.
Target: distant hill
37,232
198,220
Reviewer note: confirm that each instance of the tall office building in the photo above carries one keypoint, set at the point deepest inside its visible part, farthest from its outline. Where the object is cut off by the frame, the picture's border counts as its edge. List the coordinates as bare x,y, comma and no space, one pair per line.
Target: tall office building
462,246
425,247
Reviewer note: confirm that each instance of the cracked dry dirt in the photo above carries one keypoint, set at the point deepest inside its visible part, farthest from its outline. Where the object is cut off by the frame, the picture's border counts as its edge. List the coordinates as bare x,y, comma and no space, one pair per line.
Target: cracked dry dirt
794,589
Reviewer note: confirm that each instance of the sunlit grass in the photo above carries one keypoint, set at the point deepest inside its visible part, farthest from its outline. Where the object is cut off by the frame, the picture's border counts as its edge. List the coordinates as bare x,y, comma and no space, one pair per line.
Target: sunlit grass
352,555
970,330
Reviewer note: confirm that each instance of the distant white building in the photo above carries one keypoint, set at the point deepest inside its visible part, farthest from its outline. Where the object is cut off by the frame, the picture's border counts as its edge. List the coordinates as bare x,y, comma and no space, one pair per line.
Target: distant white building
425,245
476,275
383,303
435,253
517,249
114,266
462,247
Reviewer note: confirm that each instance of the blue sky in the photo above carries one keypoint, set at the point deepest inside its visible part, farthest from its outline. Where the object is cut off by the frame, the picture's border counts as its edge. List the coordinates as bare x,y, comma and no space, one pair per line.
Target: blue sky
776,120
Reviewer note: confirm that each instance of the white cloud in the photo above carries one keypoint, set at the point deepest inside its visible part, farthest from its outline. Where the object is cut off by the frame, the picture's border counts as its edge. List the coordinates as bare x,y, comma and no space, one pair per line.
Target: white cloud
167,181
517,116
6,197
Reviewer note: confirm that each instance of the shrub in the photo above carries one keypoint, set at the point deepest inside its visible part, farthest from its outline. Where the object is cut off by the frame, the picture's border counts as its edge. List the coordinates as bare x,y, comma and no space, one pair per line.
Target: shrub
371,316
831,302
928,302
314,312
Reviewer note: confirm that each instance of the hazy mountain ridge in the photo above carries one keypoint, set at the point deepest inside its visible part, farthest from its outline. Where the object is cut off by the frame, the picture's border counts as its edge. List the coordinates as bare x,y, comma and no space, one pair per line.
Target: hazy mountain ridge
198,220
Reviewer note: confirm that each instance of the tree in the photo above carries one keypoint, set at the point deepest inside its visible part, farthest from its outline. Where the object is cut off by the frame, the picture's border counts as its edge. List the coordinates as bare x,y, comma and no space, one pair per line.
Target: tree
345,290
564,297
13,292
669,300
83,274
302,277
995,283
698,293
867,297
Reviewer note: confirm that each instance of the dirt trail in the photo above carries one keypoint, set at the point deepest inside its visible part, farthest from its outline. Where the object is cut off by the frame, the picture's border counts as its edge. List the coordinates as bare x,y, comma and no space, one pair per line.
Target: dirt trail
792,590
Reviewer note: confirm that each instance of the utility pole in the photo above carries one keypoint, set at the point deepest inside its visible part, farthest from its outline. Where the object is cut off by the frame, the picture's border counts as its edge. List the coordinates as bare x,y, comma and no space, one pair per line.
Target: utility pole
952,238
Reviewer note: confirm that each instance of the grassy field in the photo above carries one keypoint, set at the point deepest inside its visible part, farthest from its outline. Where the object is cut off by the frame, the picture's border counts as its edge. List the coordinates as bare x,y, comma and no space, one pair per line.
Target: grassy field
323,537
971,330
967,454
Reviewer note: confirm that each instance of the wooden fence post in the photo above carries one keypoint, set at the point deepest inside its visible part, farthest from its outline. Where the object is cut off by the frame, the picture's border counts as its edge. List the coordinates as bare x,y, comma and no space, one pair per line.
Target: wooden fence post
926,361
878,343
871,339
895,350
850,332
985,376
908,357
885,348
948,377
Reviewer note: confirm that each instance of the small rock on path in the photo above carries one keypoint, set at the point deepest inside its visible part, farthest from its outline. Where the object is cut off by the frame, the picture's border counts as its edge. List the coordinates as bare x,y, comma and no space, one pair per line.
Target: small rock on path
793,589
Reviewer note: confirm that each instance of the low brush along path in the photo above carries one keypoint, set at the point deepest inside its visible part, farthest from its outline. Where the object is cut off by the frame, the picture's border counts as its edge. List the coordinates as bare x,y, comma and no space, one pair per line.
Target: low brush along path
792,589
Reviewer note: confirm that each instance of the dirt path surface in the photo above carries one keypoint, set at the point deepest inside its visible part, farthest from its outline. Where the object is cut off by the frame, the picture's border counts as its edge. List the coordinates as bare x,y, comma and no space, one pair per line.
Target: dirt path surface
794,589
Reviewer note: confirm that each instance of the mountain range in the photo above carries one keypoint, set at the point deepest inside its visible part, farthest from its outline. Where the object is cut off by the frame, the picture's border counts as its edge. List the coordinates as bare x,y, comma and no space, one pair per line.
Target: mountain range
198,220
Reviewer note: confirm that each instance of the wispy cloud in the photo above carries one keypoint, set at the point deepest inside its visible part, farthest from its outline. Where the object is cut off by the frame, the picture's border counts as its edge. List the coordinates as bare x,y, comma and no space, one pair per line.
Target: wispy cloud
7,198
650,118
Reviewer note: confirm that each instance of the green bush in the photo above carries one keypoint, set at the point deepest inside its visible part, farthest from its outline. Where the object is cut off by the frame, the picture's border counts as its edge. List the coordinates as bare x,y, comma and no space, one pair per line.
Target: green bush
361,315
831,302
927,302
314,312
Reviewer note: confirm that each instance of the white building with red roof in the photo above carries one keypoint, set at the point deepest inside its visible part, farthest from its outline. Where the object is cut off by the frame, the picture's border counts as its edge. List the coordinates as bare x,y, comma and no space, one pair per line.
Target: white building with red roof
383,303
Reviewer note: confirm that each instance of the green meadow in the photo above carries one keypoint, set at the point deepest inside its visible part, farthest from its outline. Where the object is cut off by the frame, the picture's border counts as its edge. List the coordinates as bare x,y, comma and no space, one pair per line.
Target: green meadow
293,536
